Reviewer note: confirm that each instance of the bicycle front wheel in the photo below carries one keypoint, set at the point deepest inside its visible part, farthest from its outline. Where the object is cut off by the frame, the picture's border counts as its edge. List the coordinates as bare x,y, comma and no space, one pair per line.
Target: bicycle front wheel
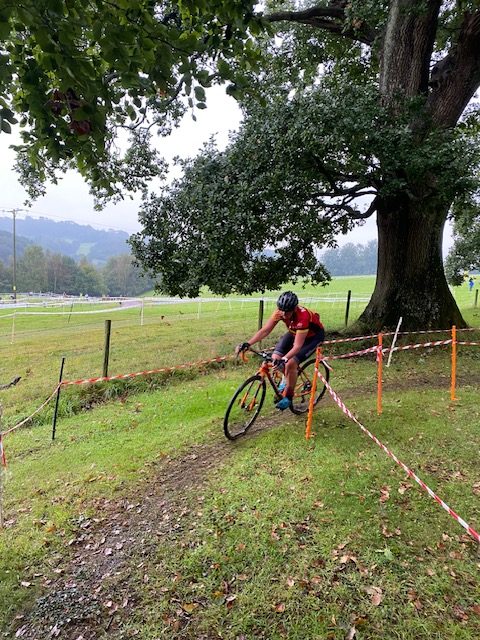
303,388
244,407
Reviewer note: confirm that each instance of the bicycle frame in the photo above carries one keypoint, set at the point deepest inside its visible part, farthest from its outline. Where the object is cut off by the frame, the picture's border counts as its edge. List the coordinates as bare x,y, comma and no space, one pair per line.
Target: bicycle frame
247,401
264,371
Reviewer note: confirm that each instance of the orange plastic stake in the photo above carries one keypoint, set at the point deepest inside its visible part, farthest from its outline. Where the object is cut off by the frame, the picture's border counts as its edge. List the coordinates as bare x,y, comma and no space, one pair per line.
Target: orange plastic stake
308,430
379,373
454,363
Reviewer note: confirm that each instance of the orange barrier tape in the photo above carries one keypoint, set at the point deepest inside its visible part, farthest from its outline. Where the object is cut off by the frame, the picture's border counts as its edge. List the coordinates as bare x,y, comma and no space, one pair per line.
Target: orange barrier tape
122,376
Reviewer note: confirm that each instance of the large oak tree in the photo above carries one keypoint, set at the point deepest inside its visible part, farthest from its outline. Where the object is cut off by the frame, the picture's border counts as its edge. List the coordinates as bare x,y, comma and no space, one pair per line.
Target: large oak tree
351,109
360,108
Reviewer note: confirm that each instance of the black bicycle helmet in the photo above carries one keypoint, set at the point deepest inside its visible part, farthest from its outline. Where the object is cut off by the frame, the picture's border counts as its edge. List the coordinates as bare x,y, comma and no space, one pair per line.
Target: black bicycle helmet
287,301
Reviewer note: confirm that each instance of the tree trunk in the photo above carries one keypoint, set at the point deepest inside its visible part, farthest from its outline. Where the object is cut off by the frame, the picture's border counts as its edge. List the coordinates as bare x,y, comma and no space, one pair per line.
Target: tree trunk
410,277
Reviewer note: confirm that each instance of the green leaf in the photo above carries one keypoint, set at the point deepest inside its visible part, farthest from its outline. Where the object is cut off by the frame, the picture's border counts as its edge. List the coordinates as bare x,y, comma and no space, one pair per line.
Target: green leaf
5,126
200,94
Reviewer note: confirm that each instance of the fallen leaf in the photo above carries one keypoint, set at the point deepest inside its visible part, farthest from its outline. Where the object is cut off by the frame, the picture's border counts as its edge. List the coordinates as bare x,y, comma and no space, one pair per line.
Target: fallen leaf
459,613
376,595
24,583
352,632
229,600
404,486
280,607
189,607
384,493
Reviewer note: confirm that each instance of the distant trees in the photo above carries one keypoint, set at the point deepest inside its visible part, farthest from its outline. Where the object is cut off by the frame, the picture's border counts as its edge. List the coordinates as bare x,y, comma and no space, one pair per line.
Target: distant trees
122,276
32,270
41,271
351,259
89,280
464,256
61,273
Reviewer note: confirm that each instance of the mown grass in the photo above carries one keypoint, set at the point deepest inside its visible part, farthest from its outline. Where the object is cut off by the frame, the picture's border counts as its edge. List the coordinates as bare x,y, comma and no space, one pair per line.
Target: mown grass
170,335
47,485
310,541
278,551
290,539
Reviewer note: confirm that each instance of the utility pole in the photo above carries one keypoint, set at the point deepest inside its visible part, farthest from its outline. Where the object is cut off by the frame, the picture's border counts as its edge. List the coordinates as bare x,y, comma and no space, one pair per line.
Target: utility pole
14,213
14,283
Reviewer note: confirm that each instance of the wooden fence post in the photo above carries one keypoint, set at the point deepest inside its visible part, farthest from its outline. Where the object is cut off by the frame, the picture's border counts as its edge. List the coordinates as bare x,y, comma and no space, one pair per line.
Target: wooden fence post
106,350
347,310
260,314
55,412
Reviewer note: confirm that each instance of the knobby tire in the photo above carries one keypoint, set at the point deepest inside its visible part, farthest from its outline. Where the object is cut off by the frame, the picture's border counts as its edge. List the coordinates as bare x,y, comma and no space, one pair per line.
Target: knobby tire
306,372
244,407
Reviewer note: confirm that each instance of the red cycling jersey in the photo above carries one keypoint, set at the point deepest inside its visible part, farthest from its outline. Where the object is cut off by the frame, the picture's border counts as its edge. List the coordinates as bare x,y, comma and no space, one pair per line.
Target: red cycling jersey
302,321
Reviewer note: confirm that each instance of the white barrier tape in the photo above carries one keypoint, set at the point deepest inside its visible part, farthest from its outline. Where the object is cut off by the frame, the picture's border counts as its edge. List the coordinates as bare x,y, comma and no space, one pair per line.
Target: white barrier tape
391,333
407,470
69,313
25,420
419,345
353,354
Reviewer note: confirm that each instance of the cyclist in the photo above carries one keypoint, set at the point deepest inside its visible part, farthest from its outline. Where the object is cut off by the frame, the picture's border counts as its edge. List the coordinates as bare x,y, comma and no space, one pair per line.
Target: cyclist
305,333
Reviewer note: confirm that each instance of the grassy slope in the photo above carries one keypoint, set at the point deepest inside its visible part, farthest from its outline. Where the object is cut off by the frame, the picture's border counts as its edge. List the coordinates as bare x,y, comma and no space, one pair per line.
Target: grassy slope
306,537
206,330
299,584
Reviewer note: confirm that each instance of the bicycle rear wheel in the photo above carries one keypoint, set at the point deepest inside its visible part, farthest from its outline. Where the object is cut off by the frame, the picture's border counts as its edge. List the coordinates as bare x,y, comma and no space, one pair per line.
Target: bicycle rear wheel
244,407
303,388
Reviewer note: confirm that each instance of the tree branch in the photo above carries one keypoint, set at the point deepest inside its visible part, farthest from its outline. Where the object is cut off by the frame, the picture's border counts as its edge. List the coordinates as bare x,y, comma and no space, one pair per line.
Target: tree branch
456,78
332,19
350,211
10,384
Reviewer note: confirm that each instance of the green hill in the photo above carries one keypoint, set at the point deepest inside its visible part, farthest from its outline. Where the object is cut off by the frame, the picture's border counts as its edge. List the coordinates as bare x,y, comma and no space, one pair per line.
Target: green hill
68,238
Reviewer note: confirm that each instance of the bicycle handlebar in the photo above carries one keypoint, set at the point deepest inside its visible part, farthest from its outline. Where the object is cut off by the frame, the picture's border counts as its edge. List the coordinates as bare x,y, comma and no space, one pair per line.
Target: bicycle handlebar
262,354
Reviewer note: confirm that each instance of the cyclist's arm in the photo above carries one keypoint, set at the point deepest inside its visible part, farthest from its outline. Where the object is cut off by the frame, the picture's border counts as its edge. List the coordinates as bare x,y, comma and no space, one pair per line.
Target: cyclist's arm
262,333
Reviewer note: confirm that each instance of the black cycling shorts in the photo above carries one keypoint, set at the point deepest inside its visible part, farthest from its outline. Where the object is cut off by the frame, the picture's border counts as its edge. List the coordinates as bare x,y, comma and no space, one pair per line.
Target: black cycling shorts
285,343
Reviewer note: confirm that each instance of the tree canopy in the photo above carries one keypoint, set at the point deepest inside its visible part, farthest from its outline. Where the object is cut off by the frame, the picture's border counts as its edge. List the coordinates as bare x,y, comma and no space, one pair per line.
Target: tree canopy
76,73
352,108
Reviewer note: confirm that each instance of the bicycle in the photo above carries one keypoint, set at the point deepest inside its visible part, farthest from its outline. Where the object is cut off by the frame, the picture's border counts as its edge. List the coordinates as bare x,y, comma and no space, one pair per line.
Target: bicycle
247,401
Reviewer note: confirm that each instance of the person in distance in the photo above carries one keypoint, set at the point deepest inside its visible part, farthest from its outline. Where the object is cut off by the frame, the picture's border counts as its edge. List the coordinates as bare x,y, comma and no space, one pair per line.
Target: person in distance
305,333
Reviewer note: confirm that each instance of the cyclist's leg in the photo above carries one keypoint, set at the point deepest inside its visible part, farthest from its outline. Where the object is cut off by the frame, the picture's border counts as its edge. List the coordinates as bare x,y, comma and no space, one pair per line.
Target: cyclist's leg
284,344
309,346
281,348
291,370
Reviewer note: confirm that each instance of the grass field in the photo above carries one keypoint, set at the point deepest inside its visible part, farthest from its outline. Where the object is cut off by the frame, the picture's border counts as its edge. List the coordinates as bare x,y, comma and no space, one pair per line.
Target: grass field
270,537
33,346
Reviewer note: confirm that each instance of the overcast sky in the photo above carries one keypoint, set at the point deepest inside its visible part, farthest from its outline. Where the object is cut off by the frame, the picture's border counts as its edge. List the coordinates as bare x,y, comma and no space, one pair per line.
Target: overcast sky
70,199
